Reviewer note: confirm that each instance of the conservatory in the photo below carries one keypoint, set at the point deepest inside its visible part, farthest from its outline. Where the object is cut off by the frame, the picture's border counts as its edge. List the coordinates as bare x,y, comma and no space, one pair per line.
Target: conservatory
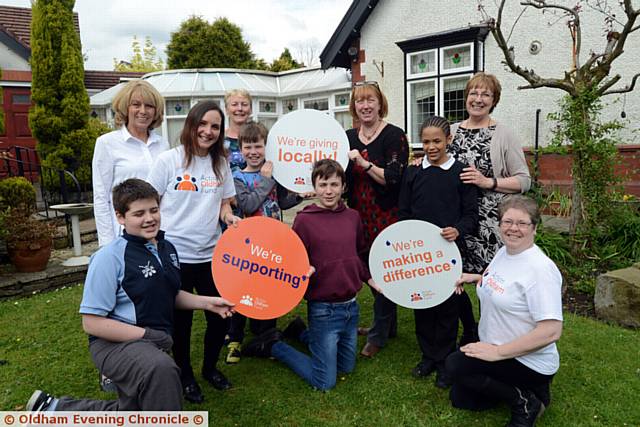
274,94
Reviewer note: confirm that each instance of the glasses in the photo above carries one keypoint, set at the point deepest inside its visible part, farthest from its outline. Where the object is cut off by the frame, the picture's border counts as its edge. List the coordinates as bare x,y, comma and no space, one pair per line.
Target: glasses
367,83
482,95
507,223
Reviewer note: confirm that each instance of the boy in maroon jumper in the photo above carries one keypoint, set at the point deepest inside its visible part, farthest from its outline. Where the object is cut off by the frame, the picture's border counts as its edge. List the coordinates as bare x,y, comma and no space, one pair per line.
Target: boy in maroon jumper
332,235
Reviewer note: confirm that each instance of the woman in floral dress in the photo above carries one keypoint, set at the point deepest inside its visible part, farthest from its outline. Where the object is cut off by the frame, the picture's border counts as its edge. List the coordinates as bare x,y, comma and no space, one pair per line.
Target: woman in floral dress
379,154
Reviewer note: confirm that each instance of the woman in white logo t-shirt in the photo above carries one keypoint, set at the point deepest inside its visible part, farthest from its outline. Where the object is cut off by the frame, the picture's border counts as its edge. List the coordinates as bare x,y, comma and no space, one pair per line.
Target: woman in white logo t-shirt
520,321
196,186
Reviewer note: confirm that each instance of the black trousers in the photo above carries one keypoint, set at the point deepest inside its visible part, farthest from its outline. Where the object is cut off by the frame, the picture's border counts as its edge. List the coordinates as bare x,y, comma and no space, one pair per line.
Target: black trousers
437,330
257,326
479,385
198,277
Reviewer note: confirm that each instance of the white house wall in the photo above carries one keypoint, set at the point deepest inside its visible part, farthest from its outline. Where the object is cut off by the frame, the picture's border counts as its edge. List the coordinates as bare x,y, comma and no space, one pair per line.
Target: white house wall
396,20
9,60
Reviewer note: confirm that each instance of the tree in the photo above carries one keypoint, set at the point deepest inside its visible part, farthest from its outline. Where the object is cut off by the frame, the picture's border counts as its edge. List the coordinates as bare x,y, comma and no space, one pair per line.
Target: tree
198,44
307,51
285,62
143,59
59,117
585,83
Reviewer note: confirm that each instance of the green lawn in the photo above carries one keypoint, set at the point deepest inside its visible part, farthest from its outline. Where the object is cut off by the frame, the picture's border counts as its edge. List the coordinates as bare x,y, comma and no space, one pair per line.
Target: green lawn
598,383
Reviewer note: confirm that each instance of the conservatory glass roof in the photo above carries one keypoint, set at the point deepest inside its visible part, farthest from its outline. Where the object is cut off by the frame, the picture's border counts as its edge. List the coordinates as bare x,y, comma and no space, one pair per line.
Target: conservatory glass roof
215,82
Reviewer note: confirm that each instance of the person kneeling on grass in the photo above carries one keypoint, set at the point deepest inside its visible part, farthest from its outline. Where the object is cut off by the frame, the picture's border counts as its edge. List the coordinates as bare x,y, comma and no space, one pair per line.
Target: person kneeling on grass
131,290
520,321
333,237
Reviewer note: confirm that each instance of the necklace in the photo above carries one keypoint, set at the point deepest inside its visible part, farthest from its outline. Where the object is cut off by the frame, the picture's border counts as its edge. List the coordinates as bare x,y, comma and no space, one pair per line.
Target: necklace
370,136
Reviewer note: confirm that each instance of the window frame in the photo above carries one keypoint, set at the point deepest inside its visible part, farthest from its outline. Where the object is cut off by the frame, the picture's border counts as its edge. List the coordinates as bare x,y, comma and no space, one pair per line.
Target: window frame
443,71
427,74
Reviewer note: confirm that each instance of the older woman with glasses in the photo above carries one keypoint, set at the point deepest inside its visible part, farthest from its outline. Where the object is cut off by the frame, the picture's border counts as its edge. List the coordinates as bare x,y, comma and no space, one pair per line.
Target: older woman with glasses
496,165
520,321
379,154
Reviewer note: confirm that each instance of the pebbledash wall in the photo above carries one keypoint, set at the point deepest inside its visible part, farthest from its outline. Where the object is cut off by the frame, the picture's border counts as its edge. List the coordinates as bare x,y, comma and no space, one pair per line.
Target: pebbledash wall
389,46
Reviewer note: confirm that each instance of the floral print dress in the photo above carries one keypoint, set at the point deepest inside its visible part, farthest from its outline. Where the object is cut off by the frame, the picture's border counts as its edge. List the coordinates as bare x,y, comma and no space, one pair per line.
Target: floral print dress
472,147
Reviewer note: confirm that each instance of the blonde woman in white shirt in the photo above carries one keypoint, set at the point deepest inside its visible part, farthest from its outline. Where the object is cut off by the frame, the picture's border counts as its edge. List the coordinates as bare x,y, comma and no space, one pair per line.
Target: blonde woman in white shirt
520,320
127,152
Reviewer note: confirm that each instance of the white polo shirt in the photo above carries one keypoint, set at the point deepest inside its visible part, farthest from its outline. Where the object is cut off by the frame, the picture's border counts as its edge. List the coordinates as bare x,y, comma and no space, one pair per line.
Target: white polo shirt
118,156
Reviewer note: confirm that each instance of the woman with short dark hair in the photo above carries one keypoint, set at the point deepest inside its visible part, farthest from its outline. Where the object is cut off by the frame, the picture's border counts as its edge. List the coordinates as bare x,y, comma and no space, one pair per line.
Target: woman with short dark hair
379,155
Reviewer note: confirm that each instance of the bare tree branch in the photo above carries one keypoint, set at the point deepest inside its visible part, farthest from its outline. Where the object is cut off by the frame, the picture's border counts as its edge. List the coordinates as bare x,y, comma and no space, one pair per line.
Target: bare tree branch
533,79
604,10
574,23
627,88
513,27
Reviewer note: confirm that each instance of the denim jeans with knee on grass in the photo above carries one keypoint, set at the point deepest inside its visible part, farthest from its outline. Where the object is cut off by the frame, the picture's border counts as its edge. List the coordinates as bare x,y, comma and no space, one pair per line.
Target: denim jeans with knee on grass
332,339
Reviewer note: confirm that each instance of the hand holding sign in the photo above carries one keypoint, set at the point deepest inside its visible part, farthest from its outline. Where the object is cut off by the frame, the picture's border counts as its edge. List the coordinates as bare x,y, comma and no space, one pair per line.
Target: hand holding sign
262,267
299,139
414,265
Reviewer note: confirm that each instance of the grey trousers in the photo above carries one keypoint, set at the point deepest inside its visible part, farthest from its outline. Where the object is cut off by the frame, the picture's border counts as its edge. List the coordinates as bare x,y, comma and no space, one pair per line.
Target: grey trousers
385,320
146,377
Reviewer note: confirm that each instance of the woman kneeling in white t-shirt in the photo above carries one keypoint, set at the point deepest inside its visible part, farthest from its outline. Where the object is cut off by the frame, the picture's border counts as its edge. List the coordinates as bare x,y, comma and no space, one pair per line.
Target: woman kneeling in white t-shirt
196,186
520,321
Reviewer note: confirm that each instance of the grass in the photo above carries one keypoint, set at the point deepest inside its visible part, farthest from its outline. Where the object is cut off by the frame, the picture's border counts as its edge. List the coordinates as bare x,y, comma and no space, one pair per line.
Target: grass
597,385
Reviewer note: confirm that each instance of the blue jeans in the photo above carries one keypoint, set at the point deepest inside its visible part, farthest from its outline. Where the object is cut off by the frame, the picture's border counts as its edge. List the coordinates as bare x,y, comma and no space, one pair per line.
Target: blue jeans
332,338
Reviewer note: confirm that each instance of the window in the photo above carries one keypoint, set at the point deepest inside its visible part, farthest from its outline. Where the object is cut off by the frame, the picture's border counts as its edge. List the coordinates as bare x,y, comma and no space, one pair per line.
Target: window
422,63
342,100
289,105
268,122
100,114
321,104
178,107
438,68
344,118
21,99
174,128
456,58
267,106
453,102
422,104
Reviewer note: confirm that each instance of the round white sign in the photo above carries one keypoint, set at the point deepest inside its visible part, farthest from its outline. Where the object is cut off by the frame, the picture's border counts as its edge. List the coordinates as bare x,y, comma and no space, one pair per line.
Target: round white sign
414,266
299,139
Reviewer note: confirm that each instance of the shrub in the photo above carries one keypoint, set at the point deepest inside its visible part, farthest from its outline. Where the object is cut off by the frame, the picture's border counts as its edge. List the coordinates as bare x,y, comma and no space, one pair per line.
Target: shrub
17,192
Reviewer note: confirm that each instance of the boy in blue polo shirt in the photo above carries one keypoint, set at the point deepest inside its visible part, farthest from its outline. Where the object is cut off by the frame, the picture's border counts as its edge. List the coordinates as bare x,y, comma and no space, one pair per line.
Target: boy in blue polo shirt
131,290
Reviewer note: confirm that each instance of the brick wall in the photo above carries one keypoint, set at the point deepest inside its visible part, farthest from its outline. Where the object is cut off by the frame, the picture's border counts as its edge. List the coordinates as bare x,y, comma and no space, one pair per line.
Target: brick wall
555,169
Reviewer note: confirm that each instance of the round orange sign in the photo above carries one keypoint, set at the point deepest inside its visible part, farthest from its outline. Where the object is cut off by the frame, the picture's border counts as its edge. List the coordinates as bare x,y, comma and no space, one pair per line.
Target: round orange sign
261,266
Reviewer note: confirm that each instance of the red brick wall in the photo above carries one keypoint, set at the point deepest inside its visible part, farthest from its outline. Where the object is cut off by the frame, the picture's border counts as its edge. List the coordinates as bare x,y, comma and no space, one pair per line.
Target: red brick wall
555,169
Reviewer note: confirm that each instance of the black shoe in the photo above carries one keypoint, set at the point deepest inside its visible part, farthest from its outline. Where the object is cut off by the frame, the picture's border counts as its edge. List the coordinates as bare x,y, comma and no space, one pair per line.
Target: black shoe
526,411
217,380
423,369
261,345
294,329
40,401
192,393
443,380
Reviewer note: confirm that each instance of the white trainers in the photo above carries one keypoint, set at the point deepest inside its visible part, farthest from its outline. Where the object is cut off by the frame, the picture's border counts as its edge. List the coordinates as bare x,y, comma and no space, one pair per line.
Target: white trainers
40,401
